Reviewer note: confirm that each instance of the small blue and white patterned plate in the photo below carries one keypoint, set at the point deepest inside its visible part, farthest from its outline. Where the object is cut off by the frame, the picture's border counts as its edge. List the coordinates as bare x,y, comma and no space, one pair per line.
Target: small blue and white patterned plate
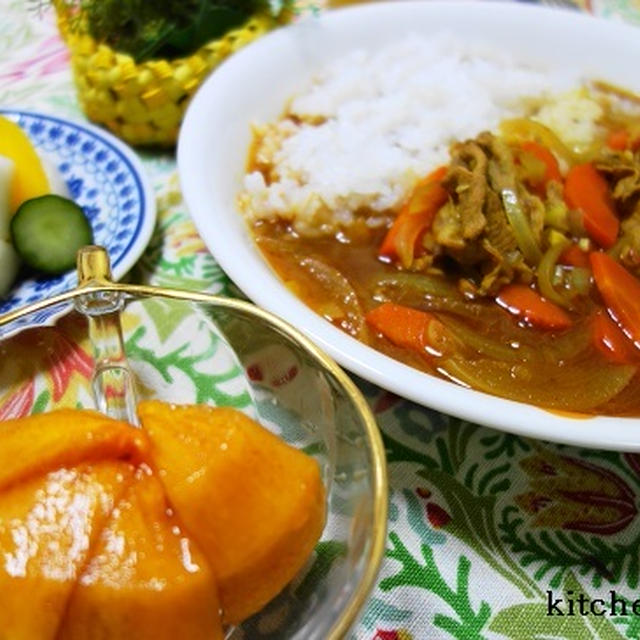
108,181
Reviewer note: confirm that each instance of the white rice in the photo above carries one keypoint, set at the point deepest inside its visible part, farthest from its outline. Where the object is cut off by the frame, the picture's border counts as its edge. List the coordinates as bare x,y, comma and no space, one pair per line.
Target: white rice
373,123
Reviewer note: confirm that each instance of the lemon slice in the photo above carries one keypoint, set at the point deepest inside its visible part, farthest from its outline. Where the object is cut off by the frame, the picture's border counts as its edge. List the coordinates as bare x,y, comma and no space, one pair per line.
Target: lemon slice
29,178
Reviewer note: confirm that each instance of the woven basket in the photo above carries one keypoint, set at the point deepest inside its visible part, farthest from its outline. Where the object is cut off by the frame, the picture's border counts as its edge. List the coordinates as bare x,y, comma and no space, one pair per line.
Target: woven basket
144,103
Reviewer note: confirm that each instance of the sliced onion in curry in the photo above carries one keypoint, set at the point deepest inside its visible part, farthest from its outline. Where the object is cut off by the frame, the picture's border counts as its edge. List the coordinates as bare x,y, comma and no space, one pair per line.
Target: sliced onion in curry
578,280
589,385
345,307
546,275
524,129
626,402
484,345
566,346
421,284
522,230
427,293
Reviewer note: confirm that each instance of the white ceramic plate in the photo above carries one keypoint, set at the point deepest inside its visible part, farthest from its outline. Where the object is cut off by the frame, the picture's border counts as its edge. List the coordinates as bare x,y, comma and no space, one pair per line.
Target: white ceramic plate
105,177
254,85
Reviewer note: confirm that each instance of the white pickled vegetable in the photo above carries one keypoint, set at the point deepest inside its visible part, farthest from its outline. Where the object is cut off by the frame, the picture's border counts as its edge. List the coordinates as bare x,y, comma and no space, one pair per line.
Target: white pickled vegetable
6,175
57,185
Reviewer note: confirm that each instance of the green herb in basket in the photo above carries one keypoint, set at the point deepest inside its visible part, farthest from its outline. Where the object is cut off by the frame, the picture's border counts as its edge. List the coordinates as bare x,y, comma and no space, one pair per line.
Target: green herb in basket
167,29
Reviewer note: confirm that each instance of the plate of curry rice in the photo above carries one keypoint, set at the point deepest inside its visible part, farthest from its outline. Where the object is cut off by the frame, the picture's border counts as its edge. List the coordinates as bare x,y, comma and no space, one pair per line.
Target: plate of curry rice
445,196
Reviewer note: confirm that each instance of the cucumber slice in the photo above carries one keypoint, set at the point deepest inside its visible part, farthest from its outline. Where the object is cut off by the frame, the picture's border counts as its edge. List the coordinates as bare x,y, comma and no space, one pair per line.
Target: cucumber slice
48,231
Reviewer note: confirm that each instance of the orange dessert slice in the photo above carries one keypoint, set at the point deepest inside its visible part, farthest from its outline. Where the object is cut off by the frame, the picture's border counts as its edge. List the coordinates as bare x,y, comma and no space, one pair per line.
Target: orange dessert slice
255,505
47,527
145,580
37,444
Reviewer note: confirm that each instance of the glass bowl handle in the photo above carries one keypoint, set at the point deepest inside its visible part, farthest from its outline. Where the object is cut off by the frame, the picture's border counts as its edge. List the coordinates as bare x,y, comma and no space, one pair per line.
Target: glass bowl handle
113,381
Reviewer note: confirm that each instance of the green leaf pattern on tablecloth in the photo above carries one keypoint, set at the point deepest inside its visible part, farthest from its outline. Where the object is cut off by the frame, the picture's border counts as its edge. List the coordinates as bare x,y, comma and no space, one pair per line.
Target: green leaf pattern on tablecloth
482,524
417,572
185,359
176,256
503,556
625,10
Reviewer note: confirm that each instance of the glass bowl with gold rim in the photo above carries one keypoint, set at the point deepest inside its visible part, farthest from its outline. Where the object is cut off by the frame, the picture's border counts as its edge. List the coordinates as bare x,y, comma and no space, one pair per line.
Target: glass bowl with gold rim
141,342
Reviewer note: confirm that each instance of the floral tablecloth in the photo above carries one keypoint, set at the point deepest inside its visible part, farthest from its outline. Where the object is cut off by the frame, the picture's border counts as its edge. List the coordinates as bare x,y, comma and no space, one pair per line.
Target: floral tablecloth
490,535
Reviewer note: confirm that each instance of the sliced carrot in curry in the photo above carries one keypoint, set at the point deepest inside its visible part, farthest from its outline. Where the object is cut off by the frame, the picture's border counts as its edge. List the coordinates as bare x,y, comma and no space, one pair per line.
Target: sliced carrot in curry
409,328
622,139
609,339
619,139
574,256
620,291
587,191
529,306
415,218
552,168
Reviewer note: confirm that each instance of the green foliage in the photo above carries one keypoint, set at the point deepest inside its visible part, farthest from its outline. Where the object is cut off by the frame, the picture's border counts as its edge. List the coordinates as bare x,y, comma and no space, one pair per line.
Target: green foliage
467,623
165,28
378,609
502,445
631,623
327,552
166,315
160,266
472,520
471,507
208,386
41,403
554,552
